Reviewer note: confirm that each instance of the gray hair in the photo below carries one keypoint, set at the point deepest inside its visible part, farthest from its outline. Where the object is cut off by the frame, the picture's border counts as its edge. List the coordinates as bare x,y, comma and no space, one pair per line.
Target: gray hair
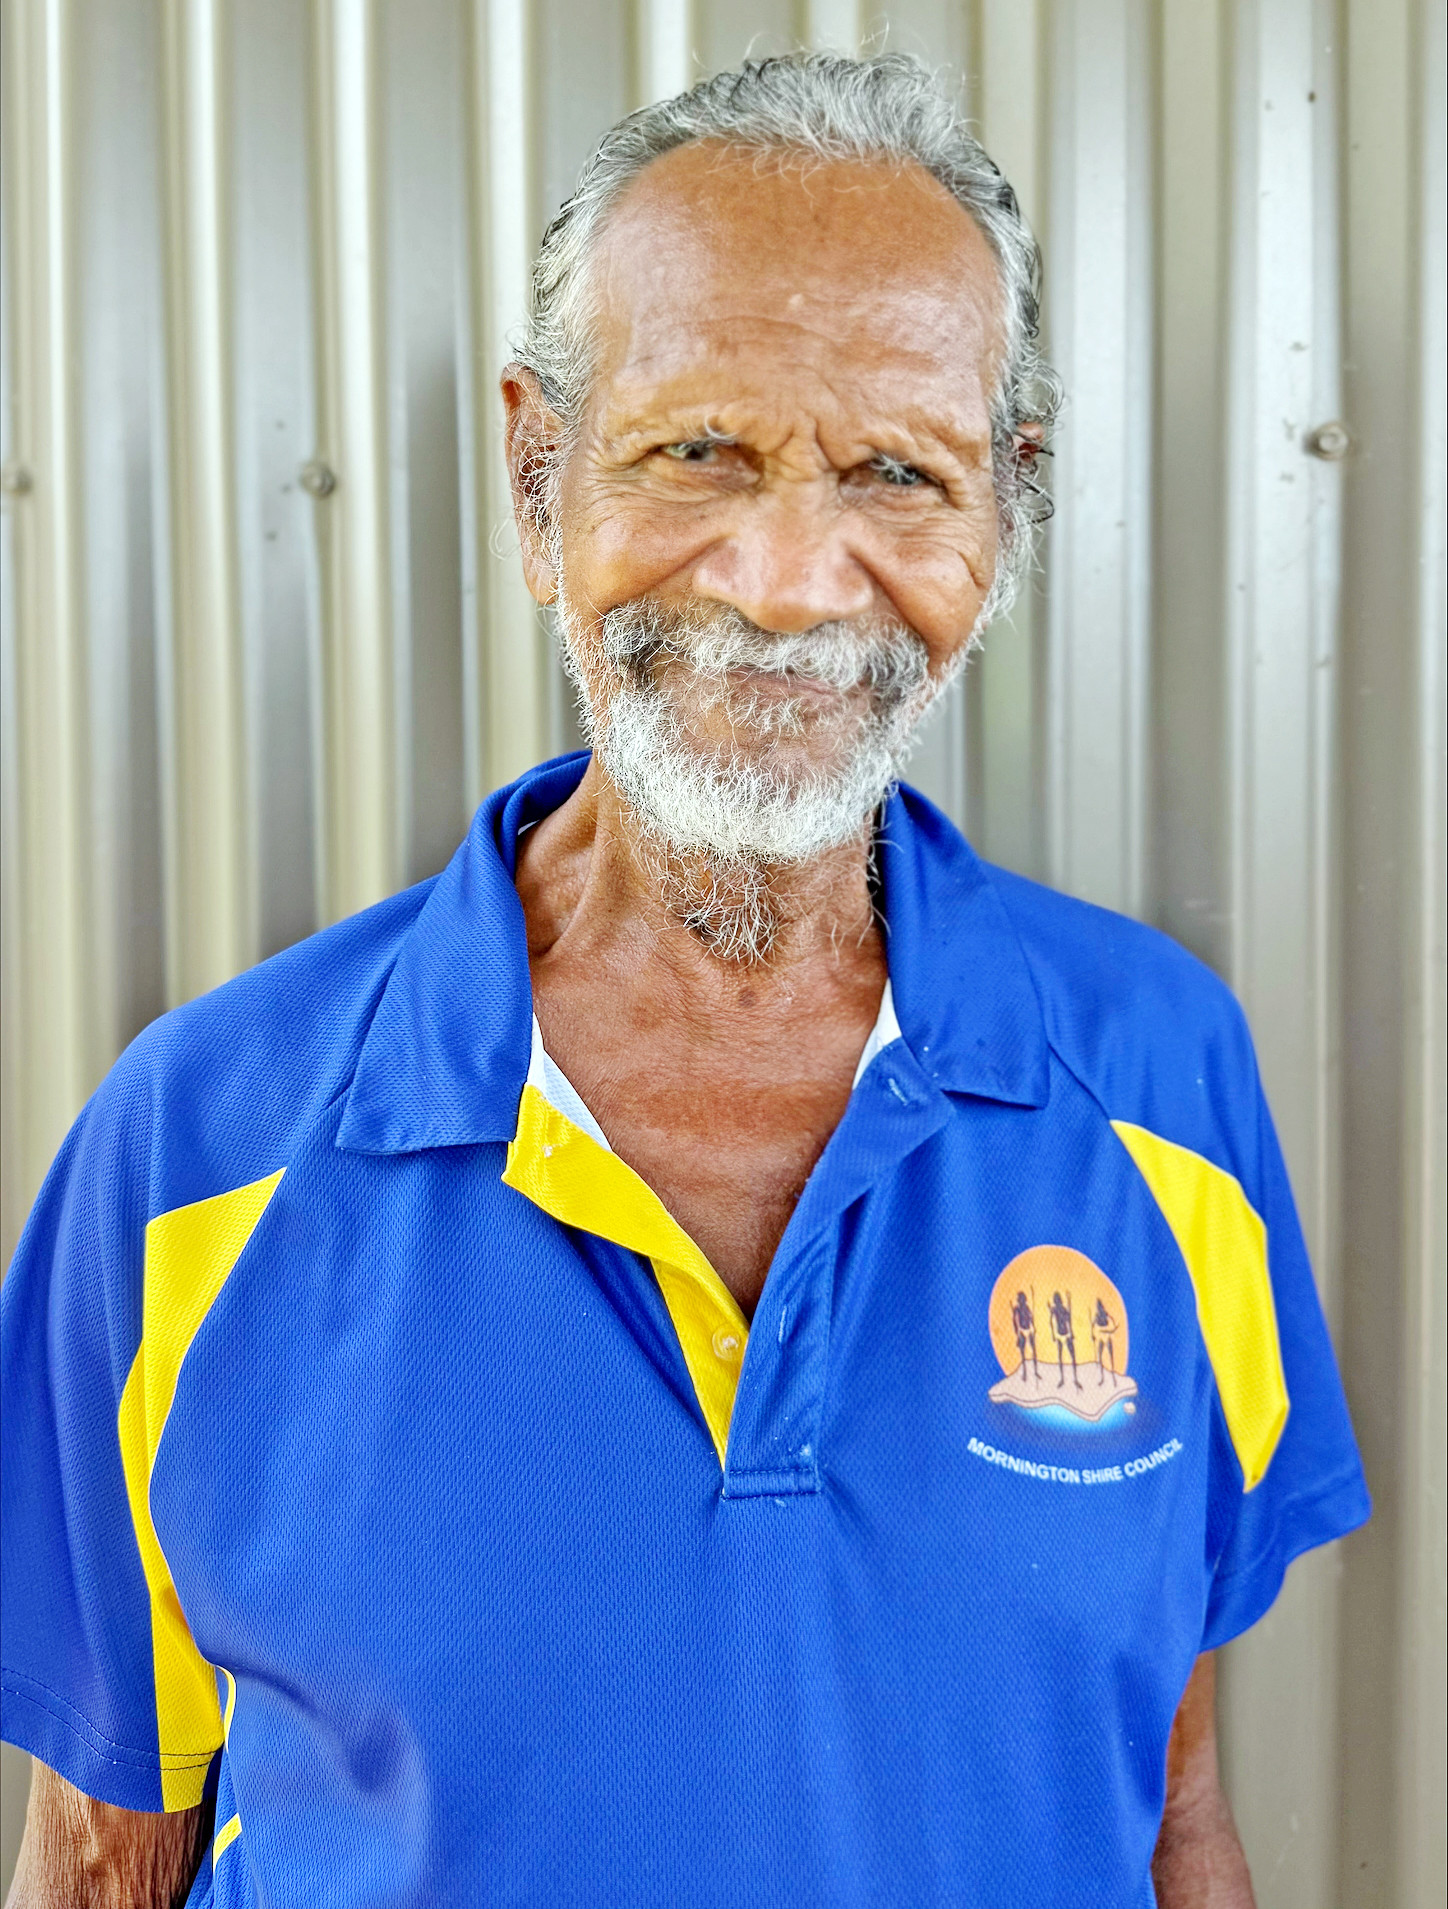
825,107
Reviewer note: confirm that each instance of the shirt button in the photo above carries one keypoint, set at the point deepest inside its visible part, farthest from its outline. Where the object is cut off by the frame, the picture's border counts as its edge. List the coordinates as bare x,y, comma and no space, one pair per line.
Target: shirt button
726,1344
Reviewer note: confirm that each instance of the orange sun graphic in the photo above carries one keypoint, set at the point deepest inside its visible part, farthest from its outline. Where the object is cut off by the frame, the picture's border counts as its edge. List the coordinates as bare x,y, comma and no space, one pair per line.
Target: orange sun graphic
1059,1308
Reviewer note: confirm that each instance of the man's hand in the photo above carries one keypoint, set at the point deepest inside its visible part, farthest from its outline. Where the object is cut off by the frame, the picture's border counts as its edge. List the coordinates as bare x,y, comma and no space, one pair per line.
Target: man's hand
80,1854
1199,1862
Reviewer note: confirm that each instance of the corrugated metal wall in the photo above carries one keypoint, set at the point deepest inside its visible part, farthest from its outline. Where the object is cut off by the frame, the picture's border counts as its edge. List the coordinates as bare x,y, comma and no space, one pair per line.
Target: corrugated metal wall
267,643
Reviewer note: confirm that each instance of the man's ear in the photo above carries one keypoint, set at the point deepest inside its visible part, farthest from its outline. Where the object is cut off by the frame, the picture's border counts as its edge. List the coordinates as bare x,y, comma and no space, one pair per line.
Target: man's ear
532,440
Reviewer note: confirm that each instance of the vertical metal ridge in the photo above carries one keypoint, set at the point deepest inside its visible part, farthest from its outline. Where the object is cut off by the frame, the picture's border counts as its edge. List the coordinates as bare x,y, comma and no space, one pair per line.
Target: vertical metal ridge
1282,513
14,1128
1320,689
1101,337
1189,847
52,1065
512,675
211,905
833,25
1007,40
1375,853
1422,1673
664,39
1280,656
271,94
361,850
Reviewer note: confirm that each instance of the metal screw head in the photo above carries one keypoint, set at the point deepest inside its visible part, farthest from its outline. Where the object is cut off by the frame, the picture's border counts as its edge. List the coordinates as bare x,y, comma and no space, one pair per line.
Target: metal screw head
15,479
318,478
1331,441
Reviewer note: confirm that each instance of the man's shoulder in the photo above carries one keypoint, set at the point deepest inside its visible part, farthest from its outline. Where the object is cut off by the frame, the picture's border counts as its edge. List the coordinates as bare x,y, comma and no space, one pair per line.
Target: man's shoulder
1147,1028
1090,960
221,1090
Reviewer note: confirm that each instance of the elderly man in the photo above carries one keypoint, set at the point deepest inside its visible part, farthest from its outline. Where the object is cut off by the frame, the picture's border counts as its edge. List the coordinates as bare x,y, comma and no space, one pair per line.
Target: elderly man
518,1399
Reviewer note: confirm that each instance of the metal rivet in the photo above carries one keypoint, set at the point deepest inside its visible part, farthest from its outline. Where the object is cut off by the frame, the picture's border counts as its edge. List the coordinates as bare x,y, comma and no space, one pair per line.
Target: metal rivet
15,479
1331,441
318,478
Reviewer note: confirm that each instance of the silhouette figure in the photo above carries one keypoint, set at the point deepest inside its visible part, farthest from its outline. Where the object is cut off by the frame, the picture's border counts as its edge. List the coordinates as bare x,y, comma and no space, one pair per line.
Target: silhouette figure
1024,1322
1103,1333
1063,1331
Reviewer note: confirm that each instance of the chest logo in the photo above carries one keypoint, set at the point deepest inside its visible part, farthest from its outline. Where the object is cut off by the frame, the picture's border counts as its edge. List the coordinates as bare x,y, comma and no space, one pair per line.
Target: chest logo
1060,1333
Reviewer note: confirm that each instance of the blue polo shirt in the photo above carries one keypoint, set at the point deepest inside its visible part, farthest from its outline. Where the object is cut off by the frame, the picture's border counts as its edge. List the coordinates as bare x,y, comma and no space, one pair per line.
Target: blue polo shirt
381,1453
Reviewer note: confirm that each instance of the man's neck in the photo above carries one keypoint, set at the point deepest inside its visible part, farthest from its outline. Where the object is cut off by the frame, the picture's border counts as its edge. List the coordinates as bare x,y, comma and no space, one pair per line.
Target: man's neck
598,885
718,1081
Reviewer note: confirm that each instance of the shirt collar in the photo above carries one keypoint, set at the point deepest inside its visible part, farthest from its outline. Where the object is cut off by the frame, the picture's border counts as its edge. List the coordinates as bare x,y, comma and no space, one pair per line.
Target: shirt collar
446,1056
963,994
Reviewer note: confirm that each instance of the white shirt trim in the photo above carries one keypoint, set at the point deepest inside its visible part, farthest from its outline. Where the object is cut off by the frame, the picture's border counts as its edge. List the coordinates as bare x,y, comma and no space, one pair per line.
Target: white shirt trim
558,1090
882,1034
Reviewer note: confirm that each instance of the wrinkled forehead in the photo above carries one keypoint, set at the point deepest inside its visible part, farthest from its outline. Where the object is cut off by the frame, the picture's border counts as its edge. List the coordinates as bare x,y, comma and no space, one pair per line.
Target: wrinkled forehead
844,269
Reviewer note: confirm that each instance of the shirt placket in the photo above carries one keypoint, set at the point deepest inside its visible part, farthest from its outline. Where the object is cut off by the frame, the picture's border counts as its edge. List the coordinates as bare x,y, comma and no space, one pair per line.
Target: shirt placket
774,1447
760,1387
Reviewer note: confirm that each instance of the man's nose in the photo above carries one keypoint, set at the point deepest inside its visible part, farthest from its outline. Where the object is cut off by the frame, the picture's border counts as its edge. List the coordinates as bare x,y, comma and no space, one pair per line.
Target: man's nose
788,566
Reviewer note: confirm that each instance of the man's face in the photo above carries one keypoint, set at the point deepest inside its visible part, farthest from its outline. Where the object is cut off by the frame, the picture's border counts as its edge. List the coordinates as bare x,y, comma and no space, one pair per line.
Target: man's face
777,522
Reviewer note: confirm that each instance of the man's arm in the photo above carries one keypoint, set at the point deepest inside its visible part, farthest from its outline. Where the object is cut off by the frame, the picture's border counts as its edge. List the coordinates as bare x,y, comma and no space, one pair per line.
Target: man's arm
1199,1862
80,1854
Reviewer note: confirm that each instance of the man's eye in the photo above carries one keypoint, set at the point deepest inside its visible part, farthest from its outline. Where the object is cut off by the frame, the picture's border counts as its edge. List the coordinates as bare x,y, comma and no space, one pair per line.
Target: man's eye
691,450
891,471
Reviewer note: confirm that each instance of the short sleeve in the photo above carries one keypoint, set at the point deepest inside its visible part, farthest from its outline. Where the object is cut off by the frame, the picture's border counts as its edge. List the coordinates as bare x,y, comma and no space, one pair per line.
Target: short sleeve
1312,1488
77,1644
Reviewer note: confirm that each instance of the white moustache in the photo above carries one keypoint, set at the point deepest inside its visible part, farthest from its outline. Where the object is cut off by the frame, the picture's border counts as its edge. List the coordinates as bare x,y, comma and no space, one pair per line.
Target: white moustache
749,798
715,641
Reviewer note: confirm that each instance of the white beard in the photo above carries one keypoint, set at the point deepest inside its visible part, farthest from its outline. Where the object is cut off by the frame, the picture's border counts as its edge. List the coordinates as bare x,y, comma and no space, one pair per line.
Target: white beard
800,773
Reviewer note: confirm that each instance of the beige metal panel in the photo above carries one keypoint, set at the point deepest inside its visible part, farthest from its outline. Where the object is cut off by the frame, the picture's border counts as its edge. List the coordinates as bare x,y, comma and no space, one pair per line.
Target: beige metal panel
1392,1289
1101,339
592,62
1421,1686
832,24
938,764
1280,1746
664,38
1377,727
1189,849
54,1044
512,717
1283,508
938,31
50,1058
14,1797
14,1764
120,396
210,864
361,846
273,328
596,62
728,32
424,138
113,361
1007,819
15,477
